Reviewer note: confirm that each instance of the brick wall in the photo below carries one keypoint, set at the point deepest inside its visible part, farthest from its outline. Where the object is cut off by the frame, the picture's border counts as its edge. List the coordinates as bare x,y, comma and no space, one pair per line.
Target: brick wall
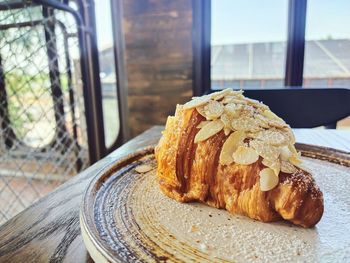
158,42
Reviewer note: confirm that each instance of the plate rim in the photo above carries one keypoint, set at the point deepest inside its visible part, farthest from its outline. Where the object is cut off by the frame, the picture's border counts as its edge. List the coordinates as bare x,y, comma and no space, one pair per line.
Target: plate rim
88,228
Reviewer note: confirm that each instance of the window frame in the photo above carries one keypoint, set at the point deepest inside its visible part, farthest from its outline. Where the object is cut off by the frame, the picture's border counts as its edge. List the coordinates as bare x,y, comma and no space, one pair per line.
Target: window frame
294,66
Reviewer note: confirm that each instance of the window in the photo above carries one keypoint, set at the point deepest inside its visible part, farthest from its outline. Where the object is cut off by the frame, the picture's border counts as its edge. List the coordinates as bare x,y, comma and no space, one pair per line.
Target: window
107,71
327,45
272,44
248,43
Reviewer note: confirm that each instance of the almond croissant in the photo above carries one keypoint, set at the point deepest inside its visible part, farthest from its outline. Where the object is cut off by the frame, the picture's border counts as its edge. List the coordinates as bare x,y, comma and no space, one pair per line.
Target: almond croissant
232,152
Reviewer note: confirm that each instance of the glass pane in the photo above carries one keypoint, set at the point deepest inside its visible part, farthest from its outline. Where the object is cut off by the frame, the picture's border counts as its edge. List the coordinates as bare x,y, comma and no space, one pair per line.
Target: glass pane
107,70
248,43
327,49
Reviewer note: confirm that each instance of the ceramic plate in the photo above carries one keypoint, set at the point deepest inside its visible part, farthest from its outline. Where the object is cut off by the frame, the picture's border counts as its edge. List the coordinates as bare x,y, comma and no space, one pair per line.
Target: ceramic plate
125,218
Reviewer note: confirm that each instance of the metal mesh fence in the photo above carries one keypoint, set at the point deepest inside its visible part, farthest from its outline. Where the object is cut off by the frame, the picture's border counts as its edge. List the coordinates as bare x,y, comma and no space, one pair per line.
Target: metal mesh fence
42,121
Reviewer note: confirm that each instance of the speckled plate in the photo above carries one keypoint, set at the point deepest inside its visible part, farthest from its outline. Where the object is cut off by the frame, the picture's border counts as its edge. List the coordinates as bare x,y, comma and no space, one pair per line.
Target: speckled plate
125,218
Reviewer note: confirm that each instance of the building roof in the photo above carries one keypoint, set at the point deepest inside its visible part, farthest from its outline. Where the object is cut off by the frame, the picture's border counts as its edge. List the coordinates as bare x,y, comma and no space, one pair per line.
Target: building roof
323,59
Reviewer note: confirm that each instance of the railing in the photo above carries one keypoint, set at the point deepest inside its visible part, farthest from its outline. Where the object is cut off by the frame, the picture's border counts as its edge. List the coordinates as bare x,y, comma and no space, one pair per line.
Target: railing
51,124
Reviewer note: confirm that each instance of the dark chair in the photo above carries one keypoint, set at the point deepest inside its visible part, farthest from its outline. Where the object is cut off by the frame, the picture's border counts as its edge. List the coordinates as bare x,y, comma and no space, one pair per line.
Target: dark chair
306,107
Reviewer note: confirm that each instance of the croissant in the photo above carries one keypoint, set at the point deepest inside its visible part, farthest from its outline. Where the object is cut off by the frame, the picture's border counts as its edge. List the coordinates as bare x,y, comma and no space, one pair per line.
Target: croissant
234,153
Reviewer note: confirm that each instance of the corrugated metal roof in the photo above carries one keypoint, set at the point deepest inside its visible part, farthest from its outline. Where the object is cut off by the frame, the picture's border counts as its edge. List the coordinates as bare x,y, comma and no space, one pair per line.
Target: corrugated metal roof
323,59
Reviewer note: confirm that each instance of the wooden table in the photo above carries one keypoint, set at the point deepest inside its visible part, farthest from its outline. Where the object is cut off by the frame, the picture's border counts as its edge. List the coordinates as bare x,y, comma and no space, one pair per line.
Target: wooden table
49,229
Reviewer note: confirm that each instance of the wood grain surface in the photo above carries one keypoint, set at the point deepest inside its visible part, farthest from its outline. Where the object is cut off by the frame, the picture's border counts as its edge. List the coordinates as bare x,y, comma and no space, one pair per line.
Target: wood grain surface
48,231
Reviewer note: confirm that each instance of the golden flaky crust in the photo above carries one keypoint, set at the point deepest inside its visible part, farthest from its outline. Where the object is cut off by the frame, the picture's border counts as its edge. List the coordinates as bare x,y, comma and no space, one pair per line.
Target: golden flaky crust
189,171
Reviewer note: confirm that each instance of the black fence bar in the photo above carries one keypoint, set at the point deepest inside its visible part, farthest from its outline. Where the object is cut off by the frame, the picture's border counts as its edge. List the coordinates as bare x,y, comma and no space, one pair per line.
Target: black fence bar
66,36
14,4
54,73
92,94
4,116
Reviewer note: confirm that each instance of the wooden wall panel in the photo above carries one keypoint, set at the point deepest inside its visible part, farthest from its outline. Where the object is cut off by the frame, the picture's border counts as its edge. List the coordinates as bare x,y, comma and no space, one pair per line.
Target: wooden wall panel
158,42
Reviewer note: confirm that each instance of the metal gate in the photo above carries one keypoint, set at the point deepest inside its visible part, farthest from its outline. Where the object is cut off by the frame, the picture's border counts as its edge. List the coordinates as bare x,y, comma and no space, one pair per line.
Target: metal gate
49,91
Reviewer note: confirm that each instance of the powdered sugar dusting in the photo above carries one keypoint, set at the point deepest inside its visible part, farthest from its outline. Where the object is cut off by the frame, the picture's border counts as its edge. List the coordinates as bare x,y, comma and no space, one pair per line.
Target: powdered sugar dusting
196,232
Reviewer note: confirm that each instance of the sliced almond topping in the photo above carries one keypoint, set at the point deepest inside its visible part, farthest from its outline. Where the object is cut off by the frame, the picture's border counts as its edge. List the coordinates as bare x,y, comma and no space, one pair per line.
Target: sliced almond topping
268,179
292,149
202,124
239,100
196,102
274,165
227,131
289,134
228,99
262,120
288,168
257,104
294,159
271,136
225,118
277,124
220,94
270,115
208,130
230,146
247,111
232,110
201,111
143,168
285,153
266,151
244,155
214,109
246,124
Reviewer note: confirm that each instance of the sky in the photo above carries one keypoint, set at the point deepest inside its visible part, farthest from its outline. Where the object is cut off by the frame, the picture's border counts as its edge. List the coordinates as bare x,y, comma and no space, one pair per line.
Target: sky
247,21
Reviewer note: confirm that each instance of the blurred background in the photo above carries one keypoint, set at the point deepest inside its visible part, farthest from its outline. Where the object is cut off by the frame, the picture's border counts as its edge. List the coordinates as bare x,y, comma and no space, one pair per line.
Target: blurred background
79,78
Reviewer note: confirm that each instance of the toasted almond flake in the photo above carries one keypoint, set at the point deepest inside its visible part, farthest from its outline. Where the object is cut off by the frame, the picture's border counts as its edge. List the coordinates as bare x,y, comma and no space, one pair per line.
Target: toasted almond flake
227,131
208,130
274,165
196,102
289,134
266,151
143,168
232,110
245,155
285,153
271,115
247,111
230,146
228,99
292,149
240,101
246,124
277,124
226,119
256,103
202,124
262,120
288,168
201,111
274,120
214,110
268,179
294,159
272,136
220,94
